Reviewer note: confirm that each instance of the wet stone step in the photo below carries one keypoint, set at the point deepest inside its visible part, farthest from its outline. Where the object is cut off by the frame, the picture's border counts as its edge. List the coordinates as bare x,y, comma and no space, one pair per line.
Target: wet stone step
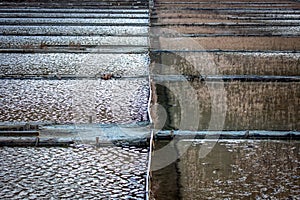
234,43
24,21
212,5
72,15
28,42
246,30
74,10
244,167
73,4
227,63
74,30
239,105
281,17
53,172
74,64
227,78
209,15
287,15
229,11
230,24
228,20
195,2
261,11
74,101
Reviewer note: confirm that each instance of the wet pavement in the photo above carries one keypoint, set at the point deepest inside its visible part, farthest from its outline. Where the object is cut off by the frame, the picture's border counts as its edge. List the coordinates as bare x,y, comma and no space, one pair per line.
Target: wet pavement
78,71
81,172
14,21
74,30
74,101
27,42
74,65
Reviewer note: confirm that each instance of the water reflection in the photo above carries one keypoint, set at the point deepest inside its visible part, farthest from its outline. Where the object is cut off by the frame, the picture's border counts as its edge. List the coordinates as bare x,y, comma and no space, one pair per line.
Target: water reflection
255,106
233,170
244,105
228,63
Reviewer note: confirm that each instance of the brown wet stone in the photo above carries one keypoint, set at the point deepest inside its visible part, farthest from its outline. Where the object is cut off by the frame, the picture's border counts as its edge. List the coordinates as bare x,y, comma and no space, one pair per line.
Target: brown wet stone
236,47
256,169
234,43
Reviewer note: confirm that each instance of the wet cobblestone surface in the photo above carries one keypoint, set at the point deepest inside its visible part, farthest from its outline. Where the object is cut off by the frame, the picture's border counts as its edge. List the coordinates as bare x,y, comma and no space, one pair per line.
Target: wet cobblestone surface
74,64
27,42
72,173
80,65
74,101
73,21
73,30
97,63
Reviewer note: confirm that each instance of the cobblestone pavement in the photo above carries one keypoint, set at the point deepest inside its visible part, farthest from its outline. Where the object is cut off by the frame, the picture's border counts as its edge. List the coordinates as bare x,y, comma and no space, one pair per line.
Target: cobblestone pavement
82,172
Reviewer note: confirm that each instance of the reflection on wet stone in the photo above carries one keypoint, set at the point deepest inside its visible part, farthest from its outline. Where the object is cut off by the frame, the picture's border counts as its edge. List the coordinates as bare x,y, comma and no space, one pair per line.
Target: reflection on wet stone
241,170
231,170
226,63
241,61
254,106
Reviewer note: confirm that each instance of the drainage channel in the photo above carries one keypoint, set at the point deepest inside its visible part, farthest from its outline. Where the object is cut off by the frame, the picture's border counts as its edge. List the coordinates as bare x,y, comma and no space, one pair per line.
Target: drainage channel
74,98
